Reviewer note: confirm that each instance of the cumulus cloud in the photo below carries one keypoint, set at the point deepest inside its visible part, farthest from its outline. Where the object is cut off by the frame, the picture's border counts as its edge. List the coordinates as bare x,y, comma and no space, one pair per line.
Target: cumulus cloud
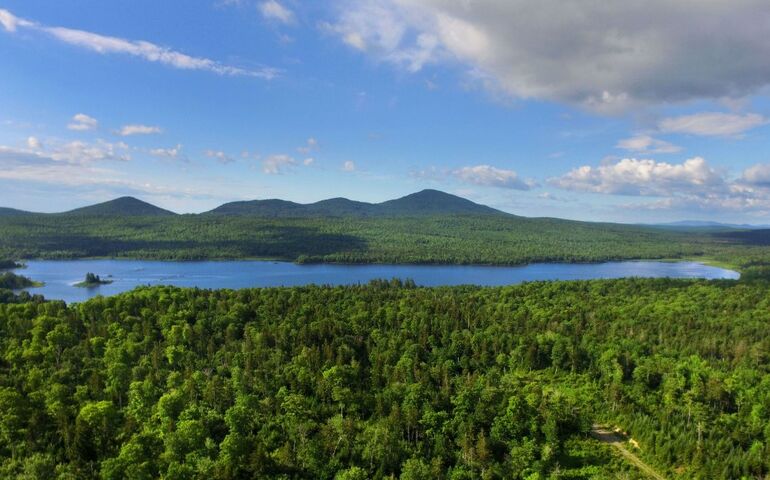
128,130
75,152
167,152
630,176
349,166
757,175
712,124
81,122
647,144
310,145
219,156
489,176
691,185
82,152
145,50
33,143
272,10
601,55
275,164
49,170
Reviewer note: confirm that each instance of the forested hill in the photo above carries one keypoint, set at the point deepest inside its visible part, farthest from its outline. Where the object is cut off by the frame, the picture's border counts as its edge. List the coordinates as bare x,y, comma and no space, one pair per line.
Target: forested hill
7,212
425,202
424,227
123,206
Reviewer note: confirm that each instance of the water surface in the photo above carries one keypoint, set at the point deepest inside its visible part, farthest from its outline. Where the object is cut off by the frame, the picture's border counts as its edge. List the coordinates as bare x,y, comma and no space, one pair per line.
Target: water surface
60,276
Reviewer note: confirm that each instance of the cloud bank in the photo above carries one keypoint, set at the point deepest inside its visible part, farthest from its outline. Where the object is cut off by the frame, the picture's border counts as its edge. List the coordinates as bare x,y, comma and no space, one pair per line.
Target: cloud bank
605,56
690,185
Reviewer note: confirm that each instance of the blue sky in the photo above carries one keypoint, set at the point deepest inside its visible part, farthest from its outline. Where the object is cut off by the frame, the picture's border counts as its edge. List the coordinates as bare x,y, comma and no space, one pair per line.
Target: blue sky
635,112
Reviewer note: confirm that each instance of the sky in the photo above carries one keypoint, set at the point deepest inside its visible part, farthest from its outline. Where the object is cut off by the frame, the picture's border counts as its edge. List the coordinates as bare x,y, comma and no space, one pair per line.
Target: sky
634,111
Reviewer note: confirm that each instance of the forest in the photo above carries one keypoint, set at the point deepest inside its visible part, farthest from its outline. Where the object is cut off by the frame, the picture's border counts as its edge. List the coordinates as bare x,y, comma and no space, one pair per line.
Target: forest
389,380
455,239
427,239
12,281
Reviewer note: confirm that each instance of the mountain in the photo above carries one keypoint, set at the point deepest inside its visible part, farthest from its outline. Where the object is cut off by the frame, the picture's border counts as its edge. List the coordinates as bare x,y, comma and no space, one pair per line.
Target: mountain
123,206
434,202
426,202
341,207
260,208
12,212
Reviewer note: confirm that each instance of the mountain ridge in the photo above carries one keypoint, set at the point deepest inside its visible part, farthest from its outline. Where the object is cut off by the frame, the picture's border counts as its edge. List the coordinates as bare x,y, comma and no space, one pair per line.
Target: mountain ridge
424,202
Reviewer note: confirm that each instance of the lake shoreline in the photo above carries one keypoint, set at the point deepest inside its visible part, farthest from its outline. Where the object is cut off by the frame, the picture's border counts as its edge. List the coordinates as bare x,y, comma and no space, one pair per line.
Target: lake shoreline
61,276
694,259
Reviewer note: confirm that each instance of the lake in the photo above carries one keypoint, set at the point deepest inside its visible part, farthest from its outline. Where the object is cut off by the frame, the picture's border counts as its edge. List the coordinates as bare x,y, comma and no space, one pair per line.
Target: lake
59,276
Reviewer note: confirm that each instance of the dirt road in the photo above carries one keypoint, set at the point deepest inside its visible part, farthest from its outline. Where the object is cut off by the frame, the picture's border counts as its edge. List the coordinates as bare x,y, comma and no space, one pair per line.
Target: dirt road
606,435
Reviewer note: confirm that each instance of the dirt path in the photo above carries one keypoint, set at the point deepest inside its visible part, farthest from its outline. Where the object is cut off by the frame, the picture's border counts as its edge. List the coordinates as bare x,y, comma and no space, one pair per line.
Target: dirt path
606,435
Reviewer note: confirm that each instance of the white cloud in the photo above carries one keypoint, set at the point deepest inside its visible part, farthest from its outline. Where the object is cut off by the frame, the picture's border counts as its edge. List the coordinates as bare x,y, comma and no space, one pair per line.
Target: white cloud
630,176
127,130
310,145
272,10
349,166
489,176
18,165
757,175
275,164
137,48
74,152
712,124
8,21
82,152
550,196
691,185
81,122
220,156
33,143
308,161
167,152
647,144
601,55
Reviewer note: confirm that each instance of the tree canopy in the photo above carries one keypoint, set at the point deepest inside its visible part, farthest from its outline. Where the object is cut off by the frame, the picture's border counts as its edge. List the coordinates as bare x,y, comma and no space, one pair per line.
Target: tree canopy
388,381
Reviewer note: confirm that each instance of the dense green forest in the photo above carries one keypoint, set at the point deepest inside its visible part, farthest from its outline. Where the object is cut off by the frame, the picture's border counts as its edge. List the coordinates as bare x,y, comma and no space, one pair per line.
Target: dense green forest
425,227
429,239
389,381
8,264
11,281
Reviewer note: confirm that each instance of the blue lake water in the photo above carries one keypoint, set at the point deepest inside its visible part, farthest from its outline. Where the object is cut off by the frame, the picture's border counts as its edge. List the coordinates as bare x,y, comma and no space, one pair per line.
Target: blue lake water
60,276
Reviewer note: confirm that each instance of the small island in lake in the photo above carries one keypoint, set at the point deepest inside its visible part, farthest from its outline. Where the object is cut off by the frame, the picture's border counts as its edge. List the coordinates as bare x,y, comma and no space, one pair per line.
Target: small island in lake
92,280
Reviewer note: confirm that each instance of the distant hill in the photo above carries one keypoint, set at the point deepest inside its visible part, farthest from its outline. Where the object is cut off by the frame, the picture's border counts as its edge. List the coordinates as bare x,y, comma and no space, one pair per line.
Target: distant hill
709,225
12,212
426,202
340,207
260,208
431,202
123,206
